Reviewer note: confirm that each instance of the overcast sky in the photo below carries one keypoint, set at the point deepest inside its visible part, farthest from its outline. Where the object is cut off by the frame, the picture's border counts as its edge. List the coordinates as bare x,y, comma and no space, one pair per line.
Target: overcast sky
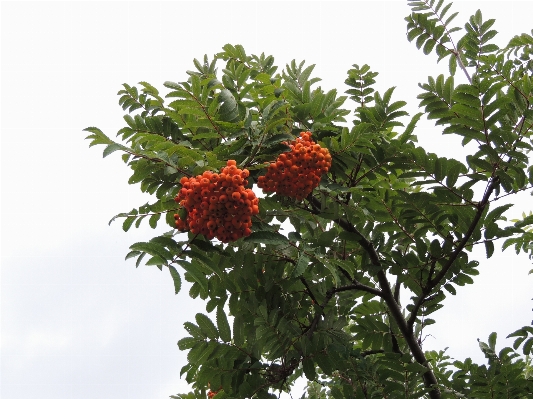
77,321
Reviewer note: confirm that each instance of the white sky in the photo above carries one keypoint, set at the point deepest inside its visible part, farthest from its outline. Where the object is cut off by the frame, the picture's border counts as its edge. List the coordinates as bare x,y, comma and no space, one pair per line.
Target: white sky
77,320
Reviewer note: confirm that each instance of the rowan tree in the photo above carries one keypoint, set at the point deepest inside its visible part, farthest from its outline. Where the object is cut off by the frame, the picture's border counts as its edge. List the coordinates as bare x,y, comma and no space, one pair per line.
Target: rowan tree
380,230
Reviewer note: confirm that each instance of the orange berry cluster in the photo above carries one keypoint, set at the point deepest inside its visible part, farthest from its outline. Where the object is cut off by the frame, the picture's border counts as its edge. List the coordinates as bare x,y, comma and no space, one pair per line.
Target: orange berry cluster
218,205
212,393
296,173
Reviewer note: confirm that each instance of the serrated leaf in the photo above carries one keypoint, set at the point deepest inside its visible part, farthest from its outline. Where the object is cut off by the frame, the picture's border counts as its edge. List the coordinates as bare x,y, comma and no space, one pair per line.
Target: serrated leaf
153,249
207,326
278,138
496,214
489,248
139,259
309,369
415,368
128,223
238,330
223,325
528,346
228,109
428,47
267,237
197,275
200,352
207,246
176,277
153,220
156,261
301,265
332,269
450,288
492,340
112,148
187,343
205,260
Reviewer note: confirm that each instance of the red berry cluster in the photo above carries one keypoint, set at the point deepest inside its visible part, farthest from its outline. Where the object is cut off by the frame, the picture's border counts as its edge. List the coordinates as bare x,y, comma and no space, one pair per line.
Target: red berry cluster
296,173
212,393
218,205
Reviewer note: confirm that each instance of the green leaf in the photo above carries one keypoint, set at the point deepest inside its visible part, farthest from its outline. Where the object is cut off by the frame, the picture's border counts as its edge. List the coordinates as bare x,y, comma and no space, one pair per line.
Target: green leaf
207,135
205,261
156,261
176,277
207,326
139,259
266,237
415,367
453,174
492,340
128,222
453,65
332,268
223,325
496,214
428,47
489,248
278,138
187,343
153,249
201,352
228,109
327,238
112,148
347,265
450,289
197,275
410,128
505,180
528,347
301,265
153,220
133,254
309,369
238,330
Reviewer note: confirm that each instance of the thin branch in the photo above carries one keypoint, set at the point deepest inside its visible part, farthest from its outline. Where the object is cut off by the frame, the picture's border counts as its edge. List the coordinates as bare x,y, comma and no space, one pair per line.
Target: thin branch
430,380
397,287
458,249
371,352
442,184
153,159
329,295
455,51
457,55
464,242
217,129
397,222
308,289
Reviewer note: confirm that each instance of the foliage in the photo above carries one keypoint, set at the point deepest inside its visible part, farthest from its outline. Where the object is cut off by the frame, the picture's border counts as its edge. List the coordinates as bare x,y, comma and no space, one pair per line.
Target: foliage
374,250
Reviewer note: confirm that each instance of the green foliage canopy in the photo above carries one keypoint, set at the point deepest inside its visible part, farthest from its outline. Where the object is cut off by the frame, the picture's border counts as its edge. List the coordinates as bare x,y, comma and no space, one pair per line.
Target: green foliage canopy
374,250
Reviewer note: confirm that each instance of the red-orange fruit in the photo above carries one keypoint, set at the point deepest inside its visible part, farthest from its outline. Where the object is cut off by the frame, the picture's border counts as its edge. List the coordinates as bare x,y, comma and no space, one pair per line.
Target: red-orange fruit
218,204
297,173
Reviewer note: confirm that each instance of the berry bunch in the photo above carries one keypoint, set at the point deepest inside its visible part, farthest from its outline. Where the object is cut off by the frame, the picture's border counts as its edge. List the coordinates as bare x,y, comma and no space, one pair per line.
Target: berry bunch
296,173
212,393
218,205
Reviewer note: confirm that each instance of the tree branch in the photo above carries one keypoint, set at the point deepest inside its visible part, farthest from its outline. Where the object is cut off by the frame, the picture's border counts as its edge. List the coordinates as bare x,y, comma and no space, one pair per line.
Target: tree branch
329,295
458,249
430,380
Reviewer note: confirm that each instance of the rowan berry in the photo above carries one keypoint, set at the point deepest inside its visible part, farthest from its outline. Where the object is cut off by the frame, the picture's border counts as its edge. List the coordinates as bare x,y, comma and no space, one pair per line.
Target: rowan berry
297,173
217,204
